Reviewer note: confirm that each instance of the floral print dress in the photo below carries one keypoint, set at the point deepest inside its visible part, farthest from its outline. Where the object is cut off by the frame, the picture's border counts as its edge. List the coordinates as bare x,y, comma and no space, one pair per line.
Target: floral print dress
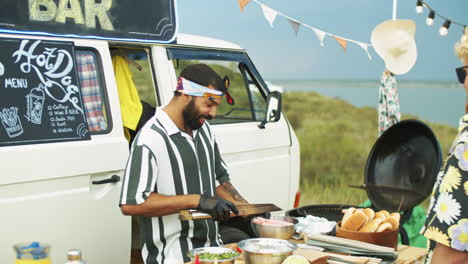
447,219
389,104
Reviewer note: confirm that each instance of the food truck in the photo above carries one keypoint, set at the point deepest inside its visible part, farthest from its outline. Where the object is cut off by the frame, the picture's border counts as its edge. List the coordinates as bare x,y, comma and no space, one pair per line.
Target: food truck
63,147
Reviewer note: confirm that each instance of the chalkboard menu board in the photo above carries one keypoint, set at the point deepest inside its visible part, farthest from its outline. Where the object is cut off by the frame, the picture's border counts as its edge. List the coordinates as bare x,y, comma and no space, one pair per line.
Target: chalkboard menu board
40,99
121,20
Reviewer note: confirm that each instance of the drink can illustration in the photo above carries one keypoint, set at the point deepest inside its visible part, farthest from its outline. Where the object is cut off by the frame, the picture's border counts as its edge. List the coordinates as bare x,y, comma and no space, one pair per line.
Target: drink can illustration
35,105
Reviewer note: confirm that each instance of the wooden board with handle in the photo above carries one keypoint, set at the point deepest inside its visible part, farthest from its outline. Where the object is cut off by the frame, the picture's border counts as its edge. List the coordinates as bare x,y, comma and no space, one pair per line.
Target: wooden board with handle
244,210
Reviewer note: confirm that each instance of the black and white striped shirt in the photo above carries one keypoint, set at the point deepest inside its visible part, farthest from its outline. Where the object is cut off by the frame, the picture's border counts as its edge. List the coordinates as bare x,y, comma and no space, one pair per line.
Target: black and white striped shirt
167,161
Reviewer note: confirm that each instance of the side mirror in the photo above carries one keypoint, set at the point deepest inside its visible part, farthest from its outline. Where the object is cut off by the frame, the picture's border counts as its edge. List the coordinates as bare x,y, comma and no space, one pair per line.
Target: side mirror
273,111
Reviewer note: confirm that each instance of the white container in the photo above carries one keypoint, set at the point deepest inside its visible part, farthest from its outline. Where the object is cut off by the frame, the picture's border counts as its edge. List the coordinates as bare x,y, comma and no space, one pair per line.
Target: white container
74,257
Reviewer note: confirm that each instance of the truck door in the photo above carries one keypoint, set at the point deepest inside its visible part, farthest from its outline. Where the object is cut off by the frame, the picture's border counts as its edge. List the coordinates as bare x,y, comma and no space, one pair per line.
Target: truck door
258,158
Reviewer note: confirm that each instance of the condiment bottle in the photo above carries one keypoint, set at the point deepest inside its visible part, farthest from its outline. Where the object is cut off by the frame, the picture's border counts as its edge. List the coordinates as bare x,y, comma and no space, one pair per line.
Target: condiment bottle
74,257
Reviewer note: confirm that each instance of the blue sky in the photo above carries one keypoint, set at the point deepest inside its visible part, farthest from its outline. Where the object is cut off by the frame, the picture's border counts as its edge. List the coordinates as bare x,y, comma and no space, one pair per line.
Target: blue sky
279,54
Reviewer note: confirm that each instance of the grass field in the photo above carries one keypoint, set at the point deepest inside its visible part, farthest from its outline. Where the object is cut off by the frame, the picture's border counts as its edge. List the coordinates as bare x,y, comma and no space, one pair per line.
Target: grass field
335,139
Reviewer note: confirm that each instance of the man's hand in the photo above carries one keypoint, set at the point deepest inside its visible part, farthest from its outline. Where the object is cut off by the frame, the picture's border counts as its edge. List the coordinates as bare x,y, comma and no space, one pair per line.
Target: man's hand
218,208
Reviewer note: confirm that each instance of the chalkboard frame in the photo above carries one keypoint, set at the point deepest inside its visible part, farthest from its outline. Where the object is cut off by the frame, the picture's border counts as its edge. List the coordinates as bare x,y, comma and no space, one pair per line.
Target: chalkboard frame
57,92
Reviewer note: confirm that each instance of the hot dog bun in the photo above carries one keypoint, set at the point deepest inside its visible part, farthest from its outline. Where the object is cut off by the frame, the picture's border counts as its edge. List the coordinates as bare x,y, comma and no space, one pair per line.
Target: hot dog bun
355,221
371,226
384,227
366,220
385,212
396,215
393,221
370,214
348,213
380,215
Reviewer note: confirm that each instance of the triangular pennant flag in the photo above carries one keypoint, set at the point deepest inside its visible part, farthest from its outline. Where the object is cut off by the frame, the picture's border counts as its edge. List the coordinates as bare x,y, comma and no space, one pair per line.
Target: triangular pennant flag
320,35
242,4
365,47
295,25
342,42
270,14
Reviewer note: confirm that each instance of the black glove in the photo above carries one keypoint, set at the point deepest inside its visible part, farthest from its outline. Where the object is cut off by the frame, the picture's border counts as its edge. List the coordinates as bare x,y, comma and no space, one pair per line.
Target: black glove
218,208
266,215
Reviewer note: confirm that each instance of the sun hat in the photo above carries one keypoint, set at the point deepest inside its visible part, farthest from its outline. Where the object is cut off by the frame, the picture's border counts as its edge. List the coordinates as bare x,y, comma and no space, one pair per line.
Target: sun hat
393,40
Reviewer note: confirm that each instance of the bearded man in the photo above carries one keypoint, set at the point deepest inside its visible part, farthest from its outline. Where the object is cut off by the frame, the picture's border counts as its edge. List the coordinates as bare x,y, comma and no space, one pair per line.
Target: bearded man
175,164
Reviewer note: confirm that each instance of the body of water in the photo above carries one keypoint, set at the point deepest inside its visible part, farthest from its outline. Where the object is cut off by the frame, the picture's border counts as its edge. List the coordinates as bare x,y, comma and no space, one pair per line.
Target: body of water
441,102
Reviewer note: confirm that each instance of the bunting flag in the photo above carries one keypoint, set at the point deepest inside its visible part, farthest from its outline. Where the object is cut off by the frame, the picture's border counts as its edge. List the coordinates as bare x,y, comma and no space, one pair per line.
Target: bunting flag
342,42
295,25
365,47
320,35
270,14
243,3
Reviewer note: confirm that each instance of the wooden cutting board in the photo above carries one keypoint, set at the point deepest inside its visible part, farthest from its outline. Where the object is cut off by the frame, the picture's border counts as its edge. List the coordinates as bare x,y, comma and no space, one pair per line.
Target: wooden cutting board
244,209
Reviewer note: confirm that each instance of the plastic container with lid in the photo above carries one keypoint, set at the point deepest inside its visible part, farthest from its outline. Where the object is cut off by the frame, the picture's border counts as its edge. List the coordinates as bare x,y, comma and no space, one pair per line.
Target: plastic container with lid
32,253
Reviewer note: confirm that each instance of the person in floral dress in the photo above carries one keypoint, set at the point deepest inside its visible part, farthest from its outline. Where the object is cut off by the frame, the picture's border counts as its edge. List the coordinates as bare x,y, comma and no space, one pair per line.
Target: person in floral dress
447,218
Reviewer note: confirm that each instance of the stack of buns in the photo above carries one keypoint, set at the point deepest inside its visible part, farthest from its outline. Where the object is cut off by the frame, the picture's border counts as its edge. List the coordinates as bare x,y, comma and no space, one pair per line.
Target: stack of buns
366,220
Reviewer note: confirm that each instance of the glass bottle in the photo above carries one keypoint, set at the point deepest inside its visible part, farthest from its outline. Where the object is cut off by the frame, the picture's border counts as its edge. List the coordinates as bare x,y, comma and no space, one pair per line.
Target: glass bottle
74,257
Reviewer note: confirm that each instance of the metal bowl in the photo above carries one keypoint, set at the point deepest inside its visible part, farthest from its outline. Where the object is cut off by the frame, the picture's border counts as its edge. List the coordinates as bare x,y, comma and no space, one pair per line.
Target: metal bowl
280,232
266,250
197,251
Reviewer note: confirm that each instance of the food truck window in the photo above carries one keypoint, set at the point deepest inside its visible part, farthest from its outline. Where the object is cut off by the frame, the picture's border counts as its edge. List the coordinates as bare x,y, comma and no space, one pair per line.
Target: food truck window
257,96
136,86
246,87
249,99
139,74
94,96
142,75
241,110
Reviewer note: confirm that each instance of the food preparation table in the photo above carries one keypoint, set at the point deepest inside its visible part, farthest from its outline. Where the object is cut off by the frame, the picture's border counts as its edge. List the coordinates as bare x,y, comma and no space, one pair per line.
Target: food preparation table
406,254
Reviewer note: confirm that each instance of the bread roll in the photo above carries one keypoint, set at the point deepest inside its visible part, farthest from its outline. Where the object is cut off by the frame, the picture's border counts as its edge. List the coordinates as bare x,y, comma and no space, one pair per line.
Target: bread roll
384,227
348,213
371,226
385,212
393,221
355,221
362,210
370,213
380,215
396,215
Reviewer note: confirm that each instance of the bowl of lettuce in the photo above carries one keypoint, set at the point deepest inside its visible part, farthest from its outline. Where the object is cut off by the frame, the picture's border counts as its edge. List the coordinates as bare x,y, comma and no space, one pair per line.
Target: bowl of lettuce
211,255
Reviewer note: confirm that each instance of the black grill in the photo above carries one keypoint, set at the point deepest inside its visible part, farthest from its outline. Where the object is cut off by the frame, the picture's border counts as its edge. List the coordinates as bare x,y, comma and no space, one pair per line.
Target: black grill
332,212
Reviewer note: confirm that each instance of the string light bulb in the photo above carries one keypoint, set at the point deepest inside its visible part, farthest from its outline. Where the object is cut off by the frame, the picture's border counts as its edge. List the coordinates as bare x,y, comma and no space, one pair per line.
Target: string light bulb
443,30
419,7
430,18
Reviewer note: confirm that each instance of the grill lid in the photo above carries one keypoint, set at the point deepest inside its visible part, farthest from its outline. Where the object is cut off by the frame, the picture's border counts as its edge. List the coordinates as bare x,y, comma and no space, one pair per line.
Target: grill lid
405,159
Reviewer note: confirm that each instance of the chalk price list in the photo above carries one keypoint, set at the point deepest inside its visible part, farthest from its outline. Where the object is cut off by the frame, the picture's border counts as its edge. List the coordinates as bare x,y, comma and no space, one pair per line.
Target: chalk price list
60,117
